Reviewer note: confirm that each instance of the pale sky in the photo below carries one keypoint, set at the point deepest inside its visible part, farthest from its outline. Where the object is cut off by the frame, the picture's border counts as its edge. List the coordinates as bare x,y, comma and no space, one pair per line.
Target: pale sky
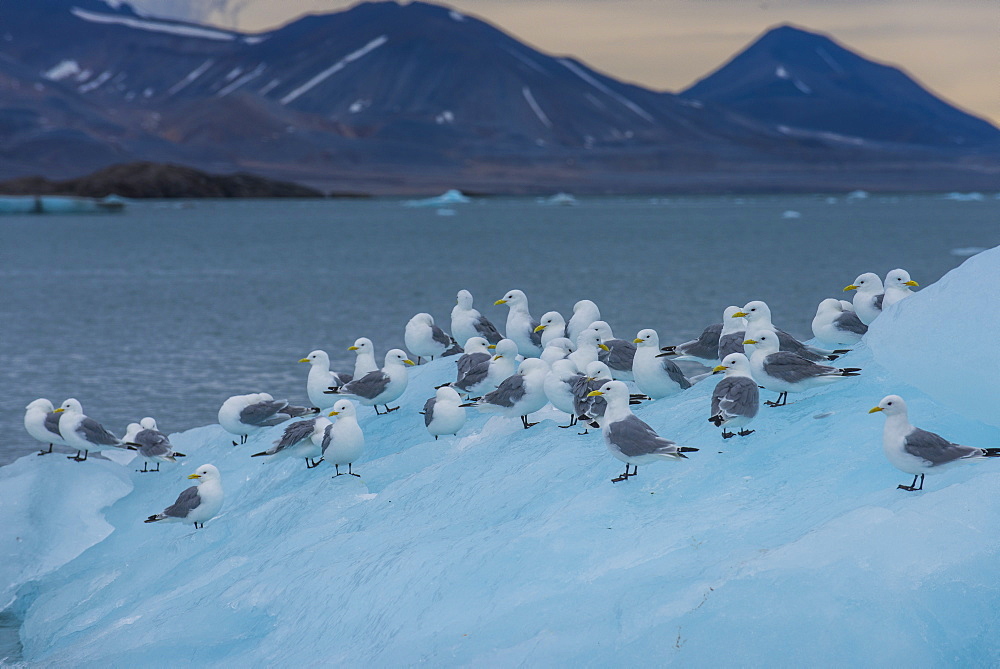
950,46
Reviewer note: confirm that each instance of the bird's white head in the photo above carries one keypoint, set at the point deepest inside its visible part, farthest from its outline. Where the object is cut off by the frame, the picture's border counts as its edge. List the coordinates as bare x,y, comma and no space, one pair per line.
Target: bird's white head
754,311
41,404
613,391
506,348
317,357
343,408
205,473
551,318
464,299
362,345
899,278
891,405
422,319
869,282
765,340
602,329
447,394
476,345
597,370
72,405
647,337
148,423
397,357
514,298
734,363
829,306
533,366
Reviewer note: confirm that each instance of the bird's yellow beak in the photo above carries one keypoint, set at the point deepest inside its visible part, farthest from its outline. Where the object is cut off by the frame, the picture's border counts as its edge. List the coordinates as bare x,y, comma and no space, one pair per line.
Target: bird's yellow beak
851,287
409,362
500,302
492,346
874,409
637,340
594,393
304,360
353,348
719,368
740,314
539,328
334,413
750,341
194,476
602,346
911,282
59,410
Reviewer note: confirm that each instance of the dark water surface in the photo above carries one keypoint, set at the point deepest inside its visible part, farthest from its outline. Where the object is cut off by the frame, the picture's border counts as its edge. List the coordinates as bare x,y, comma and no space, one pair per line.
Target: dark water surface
170,308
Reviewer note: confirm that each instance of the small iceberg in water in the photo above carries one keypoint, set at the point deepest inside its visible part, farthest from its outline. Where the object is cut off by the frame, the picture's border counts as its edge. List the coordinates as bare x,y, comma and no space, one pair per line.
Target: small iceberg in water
965,197
559,199
449,197
58,204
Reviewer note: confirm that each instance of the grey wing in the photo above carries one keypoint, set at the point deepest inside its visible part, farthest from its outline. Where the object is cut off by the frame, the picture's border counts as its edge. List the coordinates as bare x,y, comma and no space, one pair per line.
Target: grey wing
263,414
152,443
298,412
187,501
877,301
934,448
849,322
789,343
487,330
633,437
675,373
429,411
536,337
298,431
343,378
583,403
736,396
327,437
792,368
52,423
706,346
94,433
438,335
369,386
477,367
510,391
731,343
620,355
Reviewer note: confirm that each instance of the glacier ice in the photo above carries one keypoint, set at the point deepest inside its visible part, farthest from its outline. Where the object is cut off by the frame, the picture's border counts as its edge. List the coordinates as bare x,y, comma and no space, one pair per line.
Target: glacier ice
506,546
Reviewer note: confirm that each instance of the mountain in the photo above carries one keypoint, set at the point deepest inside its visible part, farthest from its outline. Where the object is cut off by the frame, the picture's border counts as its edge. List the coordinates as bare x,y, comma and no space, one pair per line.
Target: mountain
384,97
804,81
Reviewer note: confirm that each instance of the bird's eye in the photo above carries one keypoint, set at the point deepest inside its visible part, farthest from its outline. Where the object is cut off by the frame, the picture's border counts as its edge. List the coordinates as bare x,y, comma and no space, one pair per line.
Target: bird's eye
888,404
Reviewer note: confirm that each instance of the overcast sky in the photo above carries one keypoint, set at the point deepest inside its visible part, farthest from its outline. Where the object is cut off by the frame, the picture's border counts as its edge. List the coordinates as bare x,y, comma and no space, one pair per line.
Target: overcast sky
950,46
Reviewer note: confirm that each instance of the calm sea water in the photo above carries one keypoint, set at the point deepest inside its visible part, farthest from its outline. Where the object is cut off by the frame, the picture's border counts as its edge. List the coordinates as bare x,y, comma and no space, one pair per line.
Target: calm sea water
170,308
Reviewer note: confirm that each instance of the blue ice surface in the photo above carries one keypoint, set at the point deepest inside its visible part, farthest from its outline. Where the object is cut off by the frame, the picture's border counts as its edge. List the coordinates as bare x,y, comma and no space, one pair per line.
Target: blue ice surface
508,547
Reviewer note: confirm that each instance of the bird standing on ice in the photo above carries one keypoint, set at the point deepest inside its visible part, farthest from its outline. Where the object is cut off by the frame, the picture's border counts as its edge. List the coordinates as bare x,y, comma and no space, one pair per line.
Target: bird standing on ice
381,386
198,503
443,413
343,442
321,378
520,394
585,312
919,452
473,367
42,422
758,316
630,439
153,445
364,349
834,325
467,322
785,372
424,339
84,433
245,414
897,287
736,399
520,325
655,375
297,441
552,326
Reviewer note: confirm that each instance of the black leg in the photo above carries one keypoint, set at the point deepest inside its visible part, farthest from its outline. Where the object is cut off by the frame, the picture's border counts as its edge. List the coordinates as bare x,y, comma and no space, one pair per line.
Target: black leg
78,458
388,410
350,472
336,468
913,487
377,412
585,431
782,400
157,468
572,422
143,470
245,437
435,437
524,421
625,476
744,433
727,435
46,452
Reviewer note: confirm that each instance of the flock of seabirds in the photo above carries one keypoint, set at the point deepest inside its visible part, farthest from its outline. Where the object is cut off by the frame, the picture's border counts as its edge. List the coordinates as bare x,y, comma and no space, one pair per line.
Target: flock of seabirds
578,366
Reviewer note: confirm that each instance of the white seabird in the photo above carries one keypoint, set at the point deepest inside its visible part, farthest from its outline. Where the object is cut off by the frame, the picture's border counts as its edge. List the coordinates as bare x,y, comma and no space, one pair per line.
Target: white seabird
897,287
520,394
42,422
557,349
84,433
552,326
785,372
473,368
343,442
590,408
558,386
736,399
444,413
153,445
655,375
585,312
588,349
244,414
365,361
630,439
758,316
868,300
520,325
835,326
467,322
321,378
919,452
618,354
198,503
424,339
297,441
381,386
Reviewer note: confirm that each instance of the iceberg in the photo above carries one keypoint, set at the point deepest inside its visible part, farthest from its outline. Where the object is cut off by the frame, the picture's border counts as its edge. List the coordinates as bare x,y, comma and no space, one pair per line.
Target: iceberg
56,204
504,546
449,197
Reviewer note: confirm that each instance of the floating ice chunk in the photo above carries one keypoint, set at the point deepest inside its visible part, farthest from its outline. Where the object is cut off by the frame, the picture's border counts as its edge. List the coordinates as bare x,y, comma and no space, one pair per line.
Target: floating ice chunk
448,197
857,195
965,197
64,69
791,213
966,251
